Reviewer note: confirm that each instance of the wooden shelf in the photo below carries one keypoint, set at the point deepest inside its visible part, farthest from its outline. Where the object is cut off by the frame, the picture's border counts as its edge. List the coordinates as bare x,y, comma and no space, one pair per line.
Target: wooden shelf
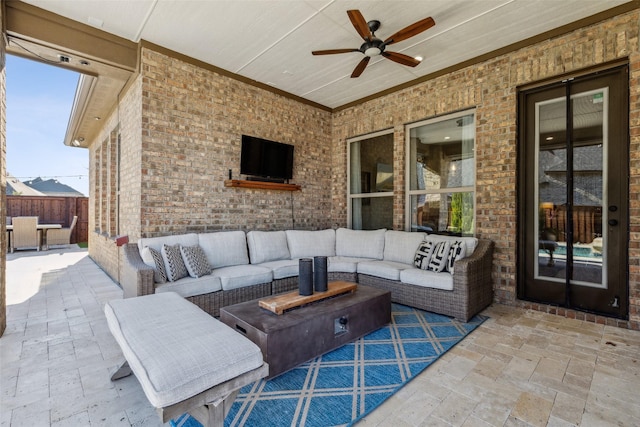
261,185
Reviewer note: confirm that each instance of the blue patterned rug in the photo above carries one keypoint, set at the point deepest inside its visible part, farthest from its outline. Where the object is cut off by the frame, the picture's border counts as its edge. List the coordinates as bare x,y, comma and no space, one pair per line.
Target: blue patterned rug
340,387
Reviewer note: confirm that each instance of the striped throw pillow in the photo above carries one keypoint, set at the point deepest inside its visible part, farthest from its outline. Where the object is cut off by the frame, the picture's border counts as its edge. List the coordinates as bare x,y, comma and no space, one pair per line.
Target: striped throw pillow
456,252
195,260
423,254
159,273
438,260
173,262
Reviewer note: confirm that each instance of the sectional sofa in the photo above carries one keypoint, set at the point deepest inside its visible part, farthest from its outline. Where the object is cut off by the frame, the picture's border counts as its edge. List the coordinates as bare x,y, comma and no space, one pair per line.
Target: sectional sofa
444,274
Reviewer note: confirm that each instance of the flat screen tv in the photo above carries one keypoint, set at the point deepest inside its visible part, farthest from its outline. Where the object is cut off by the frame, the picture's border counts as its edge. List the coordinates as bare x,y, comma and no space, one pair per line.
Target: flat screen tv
264,159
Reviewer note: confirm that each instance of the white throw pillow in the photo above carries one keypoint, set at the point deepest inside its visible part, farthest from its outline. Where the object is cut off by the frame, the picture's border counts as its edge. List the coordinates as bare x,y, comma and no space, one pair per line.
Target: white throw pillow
456,252
423,254
438,260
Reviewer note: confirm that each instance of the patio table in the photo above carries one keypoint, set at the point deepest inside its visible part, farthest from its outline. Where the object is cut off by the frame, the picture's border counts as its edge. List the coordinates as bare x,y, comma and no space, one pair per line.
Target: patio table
41,227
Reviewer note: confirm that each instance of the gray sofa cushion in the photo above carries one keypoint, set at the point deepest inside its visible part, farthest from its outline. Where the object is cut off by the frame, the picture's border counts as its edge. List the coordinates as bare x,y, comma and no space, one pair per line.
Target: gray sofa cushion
224,248
430,279
307,244
267,246
282,268
360,243
400,246
192,286
239,276
383,269
156,243
170,345
341,264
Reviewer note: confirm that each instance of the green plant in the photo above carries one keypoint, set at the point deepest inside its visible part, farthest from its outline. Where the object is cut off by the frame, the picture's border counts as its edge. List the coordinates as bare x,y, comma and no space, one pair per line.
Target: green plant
462,213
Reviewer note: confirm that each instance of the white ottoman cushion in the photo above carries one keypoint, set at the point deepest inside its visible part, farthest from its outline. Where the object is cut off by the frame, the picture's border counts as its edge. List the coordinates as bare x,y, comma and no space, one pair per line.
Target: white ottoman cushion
175,349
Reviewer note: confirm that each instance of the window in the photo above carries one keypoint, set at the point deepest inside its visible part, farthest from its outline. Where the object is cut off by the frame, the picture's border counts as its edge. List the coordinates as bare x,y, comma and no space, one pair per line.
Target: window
441,174
370,190
106,163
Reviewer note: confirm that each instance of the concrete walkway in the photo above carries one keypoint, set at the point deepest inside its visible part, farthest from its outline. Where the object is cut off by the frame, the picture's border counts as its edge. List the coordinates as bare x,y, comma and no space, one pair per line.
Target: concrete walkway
57,351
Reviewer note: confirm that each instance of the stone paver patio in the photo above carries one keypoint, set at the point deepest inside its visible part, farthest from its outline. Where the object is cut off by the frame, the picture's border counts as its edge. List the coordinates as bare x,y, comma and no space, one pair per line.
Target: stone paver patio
520,368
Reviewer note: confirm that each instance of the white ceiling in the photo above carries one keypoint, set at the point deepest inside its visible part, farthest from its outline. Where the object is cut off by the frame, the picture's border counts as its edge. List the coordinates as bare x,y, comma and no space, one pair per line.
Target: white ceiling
270,41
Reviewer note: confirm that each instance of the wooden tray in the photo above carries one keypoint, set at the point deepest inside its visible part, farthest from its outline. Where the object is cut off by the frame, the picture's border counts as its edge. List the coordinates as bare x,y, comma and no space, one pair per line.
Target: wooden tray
280,303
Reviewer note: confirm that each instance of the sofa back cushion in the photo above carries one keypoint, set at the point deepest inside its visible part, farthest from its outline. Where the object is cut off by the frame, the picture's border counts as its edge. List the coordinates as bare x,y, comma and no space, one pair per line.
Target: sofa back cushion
305,244
360,243
267,246
189,239
224,248
401,246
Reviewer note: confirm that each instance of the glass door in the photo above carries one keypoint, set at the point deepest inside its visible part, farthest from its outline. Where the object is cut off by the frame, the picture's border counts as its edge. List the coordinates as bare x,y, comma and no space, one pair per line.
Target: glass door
573,187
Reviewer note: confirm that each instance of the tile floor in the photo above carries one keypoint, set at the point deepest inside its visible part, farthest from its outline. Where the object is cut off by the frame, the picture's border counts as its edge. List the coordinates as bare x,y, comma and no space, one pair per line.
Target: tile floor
520,368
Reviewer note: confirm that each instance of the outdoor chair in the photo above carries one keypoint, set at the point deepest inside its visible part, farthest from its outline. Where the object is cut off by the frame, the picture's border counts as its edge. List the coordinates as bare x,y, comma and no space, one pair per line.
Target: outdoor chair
25,233
61,236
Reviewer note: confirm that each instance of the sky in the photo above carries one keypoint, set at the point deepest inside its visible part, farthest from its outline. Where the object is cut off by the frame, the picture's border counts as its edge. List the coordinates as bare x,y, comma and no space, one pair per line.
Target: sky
39,101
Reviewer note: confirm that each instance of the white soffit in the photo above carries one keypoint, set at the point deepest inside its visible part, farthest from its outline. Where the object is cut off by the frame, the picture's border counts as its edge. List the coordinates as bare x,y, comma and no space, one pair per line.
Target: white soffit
271,41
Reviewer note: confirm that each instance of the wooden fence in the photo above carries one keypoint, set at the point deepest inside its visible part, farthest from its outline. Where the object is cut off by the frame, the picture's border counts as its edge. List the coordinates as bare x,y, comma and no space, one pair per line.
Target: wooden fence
587,223
54,210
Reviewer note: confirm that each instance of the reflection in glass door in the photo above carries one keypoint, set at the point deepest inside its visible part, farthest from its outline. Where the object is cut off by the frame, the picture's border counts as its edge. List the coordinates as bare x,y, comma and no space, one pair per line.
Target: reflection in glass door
573,194
570,241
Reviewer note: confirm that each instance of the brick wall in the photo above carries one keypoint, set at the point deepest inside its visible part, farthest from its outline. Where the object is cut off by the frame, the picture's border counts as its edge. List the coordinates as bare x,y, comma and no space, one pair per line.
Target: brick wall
181,127
127,119
186,155
491,87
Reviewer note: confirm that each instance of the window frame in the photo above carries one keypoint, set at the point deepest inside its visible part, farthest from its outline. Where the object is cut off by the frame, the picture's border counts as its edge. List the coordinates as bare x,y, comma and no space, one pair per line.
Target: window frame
372,194
409,193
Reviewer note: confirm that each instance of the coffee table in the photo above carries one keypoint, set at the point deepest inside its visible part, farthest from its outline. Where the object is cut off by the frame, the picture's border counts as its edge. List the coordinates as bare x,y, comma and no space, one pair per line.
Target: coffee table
301,334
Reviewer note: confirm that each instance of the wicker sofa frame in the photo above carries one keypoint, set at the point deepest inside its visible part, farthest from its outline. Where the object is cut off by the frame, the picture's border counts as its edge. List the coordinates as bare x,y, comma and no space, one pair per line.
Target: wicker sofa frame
472,286
472,289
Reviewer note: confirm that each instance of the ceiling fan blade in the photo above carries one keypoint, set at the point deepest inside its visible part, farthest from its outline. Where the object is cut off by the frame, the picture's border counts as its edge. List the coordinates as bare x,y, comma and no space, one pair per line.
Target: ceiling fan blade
360,67
401,58
360,24
410,31
333,51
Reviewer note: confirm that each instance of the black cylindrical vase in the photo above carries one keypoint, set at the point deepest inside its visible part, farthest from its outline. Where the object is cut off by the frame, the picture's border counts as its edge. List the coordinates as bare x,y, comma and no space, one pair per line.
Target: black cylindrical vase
305,276
320,273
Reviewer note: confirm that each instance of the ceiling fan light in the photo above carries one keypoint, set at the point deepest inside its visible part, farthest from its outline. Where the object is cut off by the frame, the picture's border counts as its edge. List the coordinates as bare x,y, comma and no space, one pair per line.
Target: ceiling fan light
373,51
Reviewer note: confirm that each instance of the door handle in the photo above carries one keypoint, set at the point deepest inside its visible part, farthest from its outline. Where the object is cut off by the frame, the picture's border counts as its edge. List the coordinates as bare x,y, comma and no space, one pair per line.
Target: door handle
613,222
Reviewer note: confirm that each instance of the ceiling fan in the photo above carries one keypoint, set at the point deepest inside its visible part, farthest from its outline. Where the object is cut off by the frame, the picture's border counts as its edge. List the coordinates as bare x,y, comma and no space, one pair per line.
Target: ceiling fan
373,46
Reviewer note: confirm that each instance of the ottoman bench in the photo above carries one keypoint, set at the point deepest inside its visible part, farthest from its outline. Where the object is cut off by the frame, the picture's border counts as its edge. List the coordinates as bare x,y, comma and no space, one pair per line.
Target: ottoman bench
184,359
